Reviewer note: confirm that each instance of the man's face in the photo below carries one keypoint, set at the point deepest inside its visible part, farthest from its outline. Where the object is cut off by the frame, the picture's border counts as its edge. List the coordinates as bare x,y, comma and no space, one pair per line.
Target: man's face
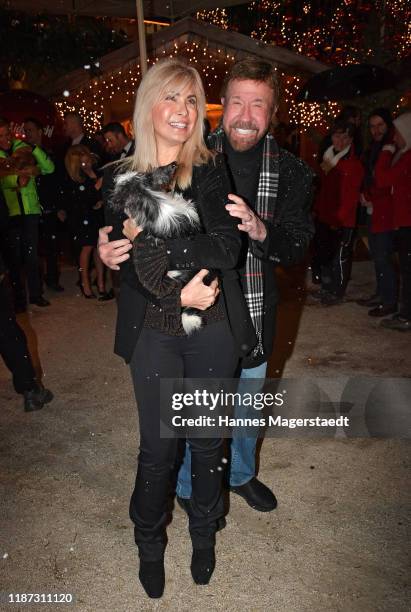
72,127
378,128
248,109
114,142
341,140
5,137
33,133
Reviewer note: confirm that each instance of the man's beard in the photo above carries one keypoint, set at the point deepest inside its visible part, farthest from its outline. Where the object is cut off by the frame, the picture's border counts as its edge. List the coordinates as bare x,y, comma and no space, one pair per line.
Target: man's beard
242,143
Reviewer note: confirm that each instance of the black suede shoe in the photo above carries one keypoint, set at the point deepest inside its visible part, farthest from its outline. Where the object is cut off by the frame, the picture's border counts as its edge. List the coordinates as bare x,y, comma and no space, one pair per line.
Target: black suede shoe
36,398
257,495
184,504
152,577
369,302
202,565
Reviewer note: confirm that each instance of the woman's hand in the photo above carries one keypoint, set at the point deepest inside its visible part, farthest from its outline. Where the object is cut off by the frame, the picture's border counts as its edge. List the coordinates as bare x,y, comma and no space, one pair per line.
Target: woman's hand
197,295
130,229
98,205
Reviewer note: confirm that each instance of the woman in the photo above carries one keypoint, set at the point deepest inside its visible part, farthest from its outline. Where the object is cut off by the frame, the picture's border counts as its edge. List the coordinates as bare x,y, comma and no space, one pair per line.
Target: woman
393,170
336,209
85,216
168,122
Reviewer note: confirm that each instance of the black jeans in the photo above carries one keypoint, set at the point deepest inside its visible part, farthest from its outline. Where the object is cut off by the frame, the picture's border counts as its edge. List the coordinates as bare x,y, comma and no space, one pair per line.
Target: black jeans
13,346
382,251
334,254
49,232
22,252
404,254
209,353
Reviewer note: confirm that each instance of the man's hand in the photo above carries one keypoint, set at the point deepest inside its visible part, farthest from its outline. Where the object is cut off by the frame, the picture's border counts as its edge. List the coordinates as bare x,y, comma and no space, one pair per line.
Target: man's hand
112,253
250,223
197,295
61,215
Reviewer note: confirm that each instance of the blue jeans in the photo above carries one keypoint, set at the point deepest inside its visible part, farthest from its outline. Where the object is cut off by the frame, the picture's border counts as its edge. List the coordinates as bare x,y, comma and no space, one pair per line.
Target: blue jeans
242,468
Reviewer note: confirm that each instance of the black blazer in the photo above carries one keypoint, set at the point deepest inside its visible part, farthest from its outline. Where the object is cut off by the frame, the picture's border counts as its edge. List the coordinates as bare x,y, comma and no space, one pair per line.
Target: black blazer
217,248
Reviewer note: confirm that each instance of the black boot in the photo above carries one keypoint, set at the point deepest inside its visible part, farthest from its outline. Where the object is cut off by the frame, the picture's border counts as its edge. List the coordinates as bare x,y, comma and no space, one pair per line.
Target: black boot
202,564
152,577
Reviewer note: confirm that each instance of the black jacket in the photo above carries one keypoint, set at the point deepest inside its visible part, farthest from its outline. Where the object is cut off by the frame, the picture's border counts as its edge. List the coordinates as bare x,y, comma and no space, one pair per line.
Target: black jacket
218,248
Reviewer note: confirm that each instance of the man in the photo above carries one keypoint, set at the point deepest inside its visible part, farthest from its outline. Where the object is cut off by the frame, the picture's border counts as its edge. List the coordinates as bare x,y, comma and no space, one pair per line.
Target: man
13,342
74,130
20,193
336,209
117,142
273,203
48,190
380,219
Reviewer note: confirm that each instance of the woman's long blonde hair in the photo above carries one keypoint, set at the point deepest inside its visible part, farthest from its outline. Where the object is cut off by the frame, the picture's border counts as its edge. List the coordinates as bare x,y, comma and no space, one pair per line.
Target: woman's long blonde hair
72,161
162,78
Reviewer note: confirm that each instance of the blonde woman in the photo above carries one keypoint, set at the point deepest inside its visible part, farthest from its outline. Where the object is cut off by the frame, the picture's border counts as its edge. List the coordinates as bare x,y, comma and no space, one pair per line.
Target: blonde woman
168,123
83,201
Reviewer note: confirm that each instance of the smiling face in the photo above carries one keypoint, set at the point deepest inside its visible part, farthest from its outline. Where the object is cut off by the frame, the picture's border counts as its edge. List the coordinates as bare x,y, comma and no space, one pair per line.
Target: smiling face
174,119
341,140
378,128
248,109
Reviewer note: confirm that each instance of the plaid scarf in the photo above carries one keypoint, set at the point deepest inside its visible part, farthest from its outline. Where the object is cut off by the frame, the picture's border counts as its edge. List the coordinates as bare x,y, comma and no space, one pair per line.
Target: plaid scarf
264,207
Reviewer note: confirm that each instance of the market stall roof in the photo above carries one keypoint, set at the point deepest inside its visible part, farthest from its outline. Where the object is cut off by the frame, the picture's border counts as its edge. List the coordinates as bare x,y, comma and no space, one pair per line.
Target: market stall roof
185,31
166,9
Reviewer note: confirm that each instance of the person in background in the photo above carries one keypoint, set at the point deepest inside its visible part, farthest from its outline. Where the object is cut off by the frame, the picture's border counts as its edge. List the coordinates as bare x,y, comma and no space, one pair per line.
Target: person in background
393,170
24,209
336,211
74,130
380,219
118,144
13,342
83,203
52,214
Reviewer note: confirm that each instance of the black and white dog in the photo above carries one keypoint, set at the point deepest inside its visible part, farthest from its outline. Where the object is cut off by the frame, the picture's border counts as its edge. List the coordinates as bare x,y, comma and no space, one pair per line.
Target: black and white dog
161,214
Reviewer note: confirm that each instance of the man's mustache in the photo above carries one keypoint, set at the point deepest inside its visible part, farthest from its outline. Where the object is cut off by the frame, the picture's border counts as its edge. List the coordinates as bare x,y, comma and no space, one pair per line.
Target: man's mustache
243,125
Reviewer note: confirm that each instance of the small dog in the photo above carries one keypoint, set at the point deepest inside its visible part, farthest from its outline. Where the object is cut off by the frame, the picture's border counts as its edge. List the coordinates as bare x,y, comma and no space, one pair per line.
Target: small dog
162,214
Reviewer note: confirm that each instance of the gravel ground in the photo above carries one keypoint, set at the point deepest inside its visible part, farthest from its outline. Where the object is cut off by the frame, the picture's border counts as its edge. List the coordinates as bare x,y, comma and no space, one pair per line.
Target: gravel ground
337,541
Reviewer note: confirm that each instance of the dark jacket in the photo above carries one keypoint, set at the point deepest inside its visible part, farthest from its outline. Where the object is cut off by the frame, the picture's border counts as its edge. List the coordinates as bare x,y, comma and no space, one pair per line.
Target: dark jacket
217,248
289,232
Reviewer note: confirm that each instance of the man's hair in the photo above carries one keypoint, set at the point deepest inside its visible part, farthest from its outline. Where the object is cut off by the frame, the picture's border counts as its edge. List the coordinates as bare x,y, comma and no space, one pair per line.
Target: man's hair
384,113
343,126
75,116
253,69
34,121
114,127
4,122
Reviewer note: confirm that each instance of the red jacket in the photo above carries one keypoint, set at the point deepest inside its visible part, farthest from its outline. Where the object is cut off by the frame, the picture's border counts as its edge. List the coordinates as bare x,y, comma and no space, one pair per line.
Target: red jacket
397,177
382,218
339,194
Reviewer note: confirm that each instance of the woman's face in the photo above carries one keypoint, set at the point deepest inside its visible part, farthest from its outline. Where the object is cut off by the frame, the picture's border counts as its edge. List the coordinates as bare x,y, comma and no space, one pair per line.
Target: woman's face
174,119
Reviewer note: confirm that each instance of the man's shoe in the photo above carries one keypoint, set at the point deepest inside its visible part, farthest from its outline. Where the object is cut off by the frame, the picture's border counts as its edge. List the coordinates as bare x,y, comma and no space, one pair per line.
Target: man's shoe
184,504
319,294
331,300
369,302
382,310
55,287
397,322
36,398
40,301
257,495
152,577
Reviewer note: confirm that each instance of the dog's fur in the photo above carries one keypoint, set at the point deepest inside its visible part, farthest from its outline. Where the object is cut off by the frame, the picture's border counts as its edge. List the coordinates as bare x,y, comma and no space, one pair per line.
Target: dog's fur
161,214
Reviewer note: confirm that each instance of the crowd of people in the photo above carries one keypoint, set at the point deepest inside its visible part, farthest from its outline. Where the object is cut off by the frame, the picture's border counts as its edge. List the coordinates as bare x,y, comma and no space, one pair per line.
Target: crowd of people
366,187
258,207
